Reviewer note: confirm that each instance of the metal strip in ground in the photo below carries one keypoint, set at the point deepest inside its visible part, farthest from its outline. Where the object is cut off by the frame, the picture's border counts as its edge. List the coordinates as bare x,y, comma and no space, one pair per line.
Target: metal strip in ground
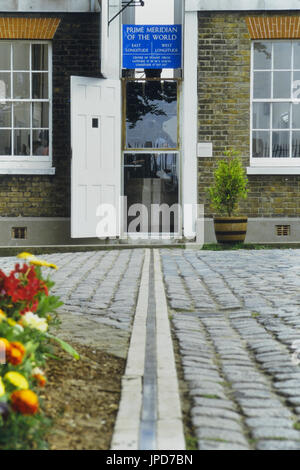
170,434
126,432
149,407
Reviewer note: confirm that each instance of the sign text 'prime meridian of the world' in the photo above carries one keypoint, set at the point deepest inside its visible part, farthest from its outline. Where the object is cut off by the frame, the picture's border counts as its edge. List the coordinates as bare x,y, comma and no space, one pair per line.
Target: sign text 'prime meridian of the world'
151,46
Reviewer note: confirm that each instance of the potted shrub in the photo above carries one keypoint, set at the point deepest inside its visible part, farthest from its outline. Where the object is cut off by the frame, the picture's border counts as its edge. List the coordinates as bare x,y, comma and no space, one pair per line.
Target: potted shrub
230,185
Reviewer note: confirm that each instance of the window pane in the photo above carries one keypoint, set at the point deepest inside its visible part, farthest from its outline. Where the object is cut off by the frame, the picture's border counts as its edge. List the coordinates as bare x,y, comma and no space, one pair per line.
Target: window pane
21,56
4,85
151,115
296,116
152,179
282,85
5,115
39,57
282,55
5,49
21,114
262,55
296,144
21,85
40,142
296,55
261,115
39,85
281,145
262,85
22,142
5,142
281,116
296,85
261,144
40,115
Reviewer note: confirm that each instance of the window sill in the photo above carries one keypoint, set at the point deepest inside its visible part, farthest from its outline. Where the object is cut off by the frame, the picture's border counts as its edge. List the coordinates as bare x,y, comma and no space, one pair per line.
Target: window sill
279,170
27,171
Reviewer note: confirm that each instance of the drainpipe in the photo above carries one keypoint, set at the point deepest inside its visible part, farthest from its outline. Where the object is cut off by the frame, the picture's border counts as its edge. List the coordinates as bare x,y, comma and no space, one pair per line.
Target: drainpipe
101,25
92,5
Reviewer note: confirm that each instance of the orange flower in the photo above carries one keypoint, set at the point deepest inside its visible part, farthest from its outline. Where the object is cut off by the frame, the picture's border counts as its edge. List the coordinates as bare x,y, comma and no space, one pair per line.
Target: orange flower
15,357
14,352
41,380
24,401
19,346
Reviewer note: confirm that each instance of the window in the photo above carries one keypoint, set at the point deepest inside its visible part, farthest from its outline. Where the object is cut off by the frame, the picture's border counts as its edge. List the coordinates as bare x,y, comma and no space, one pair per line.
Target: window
275,103
25,106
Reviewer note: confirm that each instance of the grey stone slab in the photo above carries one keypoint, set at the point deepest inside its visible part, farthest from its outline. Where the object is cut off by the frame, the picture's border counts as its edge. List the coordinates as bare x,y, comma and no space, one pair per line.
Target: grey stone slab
271,432
258,403
277,412
294,400
253,394
214,403
253,386
270,422
228,436
288,384
288,376
215,445
207,393
216,422
277,445
205,411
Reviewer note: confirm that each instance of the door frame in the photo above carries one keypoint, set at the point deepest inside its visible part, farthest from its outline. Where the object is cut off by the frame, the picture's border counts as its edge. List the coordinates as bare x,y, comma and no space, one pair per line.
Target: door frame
177,150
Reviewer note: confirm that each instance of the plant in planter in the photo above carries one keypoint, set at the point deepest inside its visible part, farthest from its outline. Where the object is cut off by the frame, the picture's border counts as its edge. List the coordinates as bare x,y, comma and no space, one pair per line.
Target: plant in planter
230,185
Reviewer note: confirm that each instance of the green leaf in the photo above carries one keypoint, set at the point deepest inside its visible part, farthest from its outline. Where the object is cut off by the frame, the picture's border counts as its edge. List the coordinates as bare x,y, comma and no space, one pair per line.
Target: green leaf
52,356
65,346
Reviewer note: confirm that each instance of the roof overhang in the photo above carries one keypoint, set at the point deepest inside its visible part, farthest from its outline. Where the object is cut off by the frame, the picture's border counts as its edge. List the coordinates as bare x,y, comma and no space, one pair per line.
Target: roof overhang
241,5
49,6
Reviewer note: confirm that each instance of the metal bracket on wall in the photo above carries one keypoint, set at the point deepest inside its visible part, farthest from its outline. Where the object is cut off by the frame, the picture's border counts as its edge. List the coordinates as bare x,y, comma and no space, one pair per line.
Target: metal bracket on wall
131,3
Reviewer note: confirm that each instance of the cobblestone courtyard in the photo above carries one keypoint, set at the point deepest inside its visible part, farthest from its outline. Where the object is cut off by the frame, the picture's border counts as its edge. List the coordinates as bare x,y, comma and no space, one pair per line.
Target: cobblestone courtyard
236,317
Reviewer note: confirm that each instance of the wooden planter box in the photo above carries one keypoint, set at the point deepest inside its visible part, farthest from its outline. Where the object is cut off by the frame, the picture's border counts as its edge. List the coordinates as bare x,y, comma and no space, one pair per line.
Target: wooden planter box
230,229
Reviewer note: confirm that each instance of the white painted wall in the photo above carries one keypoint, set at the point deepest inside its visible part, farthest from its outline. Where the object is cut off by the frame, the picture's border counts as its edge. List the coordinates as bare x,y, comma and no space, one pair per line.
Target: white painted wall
49,5
156,12
110,40
231,5
189,119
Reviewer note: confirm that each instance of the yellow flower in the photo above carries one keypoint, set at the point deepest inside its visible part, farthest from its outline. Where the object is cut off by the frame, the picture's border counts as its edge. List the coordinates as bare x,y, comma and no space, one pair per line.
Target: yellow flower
39,262
2,316
25,255
17,379
11,322
2,388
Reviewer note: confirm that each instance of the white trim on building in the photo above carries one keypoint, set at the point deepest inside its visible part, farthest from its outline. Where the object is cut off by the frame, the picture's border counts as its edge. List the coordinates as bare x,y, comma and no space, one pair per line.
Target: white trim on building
63,6
241,5
190,116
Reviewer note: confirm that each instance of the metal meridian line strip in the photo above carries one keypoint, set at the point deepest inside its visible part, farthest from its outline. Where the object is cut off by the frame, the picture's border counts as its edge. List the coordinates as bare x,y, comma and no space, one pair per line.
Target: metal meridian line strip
147,439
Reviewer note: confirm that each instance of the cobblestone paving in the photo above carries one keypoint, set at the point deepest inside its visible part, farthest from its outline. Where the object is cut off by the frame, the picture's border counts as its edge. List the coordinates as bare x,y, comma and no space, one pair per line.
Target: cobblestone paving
99,290
236,315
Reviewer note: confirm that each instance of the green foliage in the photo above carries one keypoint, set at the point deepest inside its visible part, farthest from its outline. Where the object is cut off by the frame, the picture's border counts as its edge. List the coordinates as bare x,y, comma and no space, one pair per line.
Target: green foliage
229,185
20,432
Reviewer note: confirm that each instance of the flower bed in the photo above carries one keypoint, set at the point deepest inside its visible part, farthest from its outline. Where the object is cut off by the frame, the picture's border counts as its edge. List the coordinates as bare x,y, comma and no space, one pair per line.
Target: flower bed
26,312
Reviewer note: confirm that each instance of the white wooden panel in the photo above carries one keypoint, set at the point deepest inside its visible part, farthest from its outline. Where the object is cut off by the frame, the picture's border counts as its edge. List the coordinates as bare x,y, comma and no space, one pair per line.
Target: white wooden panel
96,154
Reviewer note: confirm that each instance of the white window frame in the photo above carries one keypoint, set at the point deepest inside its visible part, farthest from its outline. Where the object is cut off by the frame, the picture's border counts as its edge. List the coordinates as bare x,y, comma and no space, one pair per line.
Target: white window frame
271,164
39,165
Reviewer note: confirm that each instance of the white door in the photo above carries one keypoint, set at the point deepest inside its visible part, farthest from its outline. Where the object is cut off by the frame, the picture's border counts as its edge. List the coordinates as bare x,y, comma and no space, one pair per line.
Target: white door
96,157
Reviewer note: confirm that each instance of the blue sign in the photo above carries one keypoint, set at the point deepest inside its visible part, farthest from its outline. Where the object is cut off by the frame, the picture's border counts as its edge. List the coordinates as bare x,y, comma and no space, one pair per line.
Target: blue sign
151,46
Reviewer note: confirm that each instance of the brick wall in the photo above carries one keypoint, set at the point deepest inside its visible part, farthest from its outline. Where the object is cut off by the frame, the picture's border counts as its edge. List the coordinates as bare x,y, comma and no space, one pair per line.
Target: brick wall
75,52
224,113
